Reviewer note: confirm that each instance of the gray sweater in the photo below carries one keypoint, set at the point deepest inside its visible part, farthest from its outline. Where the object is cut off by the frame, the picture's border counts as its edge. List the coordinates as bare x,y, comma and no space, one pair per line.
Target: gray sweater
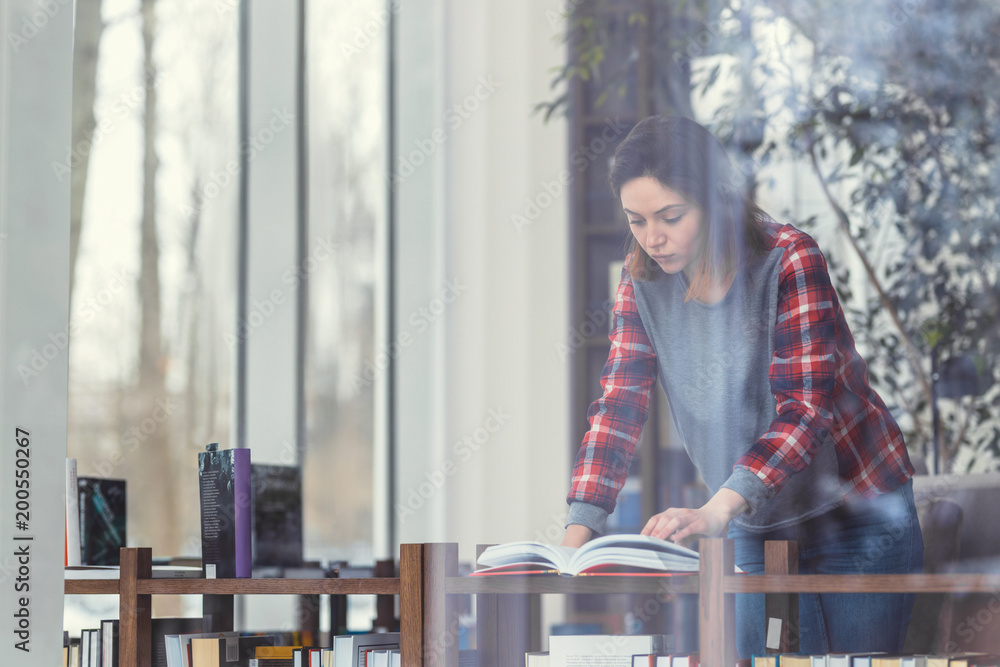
713,367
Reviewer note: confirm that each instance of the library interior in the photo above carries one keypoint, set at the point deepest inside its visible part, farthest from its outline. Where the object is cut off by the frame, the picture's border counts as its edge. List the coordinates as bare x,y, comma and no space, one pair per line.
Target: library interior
276,389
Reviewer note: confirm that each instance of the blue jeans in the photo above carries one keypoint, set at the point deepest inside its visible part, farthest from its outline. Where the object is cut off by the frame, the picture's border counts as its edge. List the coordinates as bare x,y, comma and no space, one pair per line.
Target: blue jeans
869,536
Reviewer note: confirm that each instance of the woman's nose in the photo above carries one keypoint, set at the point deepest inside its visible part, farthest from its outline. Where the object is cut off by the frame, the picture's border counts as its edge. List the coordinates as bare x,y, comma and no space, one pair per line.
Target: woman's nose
657,235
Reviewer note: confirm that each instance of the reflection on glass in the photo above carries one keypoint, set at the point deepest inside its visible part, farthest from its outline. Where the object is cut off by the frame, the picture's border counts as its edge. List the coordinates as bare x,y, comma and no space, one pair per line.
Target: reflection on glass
149,362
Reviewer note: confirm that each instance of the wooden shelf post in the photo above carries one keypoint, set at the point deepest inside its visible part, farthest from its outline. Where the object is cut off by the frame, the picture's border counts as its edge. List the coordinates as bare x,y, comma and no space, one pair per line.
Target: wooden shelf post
717,610
440,619
134,610
782,558
411,604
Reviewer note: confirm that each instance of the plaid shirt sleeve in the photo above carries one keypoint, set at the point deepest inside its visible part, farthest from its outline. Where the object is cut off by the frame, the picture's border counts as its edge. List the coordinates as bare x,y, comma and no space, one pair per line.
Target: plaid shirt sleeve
803,368
616,419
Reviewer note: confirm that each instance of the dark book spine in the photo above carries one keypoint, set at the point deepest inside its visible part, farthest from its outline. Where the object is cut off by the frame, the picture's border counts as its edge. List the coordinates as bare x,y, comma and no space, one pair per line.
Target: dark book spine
224,480
242,516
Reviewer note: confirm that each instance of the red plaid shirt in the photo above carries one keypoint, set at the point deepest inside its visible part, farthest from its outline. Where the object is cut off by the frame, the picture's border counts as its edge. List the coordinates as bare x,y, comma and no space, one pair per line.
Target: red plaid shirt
818,379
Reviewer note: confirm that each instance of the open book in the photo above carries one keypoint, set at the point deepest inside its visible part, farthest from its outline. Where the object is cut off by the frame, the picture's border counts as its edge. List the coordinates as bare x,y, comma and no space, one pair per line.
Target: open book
605,554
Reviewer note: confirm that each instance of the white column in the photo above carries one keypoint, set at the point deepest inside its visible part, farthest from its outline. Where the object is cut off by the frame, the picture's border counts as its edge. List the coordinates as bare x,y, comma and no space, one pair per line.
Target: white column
422,271
270,325
36,91
482,440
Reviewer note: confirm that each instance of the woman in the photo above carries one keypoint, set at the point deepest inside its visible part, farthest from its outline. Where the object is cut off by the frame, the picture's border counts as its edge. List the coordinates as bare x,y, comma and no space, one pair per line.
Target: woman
737,316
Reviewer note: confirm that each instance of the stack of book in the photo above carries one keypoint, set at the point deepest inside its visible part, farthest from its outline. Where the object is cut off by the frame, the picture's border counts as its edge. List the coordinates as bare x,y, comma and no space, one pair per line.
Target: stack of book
876,660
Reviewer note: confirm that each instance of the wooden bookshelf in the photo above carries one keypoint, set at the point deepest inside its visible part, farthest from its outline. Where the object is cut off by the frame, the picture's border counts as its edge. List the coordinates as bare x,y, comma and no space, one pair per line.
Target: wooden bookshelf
429,577
715,584
135,586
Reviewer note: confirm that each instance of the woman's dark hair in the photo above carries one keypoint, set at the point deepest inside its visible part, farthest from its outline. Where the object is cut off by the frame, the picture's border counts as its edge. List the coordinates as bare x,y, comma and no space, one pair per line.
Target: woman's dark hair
687,158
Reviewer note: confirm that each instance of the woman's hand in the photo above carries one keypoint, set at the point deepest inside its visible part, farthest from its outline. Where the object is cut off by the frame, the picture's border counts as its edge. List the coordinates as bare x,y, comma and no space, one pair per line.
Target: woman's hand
576,536
679,524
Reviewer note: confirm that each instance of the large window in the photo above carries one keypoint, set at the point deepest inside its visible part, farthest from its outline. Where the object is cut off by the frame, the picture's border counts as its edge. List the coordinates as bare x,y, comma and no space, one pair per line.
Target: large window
152,295
347,145
156,190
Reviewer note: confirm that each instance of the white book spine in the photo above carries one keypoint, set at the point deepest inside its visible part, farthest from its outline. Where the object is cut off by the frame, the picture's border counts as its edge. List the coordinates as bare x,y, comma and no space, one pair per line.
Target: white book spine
72,515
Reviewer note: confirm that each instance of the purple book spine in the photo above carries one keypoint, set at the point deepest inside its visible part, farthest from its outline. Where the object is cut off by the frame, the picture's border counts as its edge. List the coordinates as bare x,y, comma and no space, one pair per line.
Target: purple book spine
242,514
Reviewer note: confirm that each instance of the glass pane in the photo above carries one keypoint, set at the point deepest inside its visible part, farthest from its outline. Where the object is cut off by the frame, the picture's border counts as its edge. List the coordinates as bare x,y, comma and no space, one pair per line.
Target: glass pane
347,104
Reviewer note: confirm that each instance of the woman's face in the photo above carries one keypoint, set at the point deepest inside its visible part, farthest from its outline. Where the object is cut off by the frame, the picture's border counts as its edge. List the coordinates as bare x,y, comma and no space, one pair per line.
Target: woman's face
665,224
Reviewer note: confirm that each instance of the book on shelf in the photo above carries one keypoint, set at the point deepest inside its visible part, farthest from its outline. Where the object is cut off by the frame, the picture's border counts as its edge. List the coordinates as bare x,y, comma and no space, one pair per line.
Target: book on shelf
306,656
382,657
74,655
109,643
72,514
224,483
607,554
232,651
350,650
270,662
610,650
179,647
72,652
102,506
114,572
536,659
90,651
160,628
276,651
276,502
874,660
851,659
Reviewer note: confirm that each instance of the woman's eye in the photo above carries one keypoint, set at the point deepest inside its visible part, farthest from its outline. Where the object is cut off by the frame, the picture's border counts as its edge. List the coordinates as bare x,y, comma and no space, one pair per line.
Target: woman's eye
671,221
635,222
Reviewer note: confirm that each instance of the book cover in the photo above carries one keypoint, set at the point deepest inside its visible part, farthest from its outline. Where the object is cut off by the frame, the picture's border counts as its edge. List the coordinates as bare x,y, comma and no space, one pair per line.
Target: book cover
276,501
224,482
205,652
102,519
